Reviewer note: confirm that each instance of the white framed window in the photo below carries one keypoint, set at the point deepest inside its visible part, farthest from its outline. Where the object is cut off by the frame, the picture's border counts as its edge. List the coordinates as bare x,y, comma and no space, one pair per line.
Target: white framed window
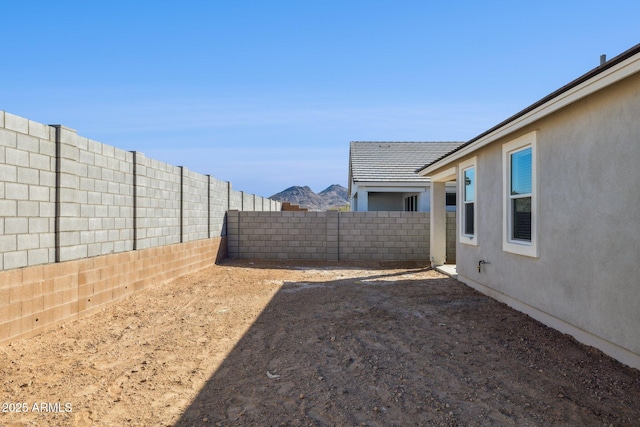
520,196
468,214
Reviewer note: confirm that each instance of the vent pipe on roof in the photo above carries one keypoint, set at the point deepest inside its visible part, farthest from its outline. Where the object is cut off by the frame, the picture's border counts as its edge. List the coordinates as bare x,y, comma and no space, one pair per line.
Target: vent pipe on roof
603,59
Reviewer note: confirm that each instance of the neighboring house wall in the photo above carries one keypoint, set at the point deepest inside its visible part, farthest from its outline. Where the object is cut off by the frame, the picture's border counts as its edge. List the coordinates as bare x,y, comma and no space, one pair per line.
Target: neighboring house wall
82,224
585,280
386,202
391,199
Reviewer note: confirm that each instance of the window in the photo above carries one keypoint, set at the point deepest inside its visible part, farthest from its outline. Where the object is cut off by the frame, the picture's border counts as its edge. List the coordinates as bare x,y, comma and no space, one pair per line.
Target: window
468,212
469,198
411,204
519,195
450,199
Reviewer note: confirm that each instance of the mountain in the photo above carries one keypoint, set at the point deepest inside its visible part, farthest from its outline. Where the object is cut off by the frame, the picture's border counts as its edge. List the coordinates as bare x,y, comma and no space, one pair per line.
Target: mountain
334,196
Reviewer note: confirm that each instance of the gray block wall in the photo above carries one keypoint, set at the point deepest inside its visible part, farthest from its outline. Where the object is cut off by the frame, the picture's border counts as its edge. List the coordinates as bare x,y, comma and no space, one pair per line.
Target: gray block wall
235,200
219,202
248,202
66,197
27,195
95,197
331,236
451,238
195,207
157,202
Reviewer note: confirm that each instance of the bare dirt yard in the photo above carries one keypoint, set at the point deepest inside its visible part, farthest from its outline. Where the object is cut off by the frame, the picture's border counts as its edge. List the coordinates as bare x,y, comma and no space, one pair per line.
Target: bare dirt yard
274,344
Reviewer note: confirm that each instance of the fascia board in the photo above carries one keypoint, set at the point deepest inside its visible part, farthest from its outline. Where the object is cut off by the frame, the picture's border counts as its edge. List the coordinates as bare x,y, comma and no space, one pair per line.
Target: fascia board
397,189
445,175
393,184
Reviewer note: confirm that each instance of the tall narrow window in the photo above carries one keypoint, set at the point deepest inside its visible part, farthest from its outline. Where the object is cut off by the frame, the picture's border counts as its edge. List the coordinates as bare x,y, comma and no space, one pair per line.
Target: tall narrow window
520,198
520,194
467,223
469,201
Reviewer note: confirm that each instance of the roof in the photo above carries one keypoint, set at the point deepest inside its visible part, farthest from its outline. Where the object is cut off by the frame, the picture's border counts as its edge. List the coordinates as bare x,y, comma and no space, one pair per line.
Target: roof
547,99
393,161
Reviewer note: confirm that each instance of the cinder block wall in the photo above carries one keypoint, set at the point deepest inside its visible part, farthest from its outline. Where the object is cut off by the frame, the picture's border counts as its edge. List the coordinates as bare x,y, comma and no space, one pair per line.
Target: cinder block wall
36,298
95,197
157,199
83,223
27,196
332,236
451,238
389,236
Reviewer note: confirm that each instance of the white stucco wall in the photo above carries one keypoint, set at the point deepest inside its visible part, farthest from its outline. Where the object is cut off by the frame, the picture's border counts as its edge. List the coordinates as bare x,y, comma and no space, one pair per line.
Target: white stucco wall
586,280
377,200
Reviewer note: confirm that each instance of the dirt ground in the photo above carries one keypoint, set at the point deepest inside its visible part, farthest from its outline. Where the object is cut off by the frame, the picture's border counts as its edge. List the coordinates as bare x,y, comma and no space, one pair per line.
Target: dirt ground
269,344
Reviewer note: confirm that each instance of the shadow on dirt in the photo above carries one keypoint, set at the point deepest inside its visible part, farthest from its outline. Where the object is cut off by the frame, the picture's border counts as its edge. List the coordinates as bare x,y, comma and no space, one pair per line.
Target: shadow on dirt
393,349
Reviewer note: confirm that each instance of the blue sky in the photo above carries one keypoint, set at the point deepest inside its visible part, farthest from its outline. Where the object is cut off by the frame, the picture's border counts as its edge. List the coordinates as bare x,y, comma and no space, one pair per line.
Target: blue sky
268,94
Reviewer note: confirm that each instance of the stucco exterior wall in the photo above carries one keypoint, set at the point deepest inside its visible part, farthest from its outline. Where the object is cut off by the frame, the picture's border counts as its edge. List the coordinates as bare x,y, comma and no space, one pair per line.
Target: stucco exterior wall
585,281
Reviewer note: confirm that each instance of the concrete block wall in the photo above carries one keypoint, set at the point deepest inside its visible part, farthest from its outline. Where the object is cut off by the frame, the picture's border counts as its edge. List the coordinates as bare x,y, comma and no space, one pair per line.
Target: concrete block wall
451,238
27,192
219,205
277,235
95,197
195,209
65,197
248,202
236,200
83,224
36,298
390,236
158,192
331,236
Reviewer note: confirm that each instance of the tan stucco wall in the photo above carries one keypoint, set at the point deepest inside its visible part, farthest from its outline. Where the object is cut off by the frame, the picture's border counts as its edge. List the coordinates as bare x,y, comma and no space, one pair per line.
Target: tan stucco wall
587,278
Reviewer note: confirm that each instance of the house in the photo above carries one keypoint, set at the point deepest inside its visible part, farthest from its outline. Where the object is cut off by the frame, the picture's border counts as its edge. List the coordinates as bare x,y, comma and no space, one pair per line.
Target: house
549,209
382,175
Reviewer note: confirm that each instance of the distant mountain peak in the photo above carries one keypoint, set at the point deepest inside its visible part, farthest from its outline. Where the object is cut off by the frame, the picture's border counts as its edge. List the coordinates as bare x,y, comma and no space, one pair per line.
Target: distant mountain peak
334,187
334,196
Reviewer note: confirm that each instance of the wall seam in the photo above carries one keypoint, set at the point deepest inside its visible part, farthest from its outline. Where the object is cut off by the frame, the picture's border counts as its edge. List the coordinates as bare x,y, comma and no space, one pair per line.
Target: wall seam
181,204
135,200
58,162
208,206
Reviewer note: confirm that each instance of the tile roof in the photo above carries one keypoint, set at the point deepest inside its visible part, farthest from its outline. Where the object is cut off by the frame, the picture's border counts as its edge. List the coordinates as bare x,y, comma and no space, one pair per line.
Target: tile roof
393,161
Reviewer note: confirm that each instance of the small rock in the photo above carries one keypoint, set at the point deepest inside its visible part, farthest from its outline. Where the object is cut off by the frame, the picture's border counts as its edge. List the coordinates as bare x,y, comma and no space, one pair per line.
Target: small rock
301,395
